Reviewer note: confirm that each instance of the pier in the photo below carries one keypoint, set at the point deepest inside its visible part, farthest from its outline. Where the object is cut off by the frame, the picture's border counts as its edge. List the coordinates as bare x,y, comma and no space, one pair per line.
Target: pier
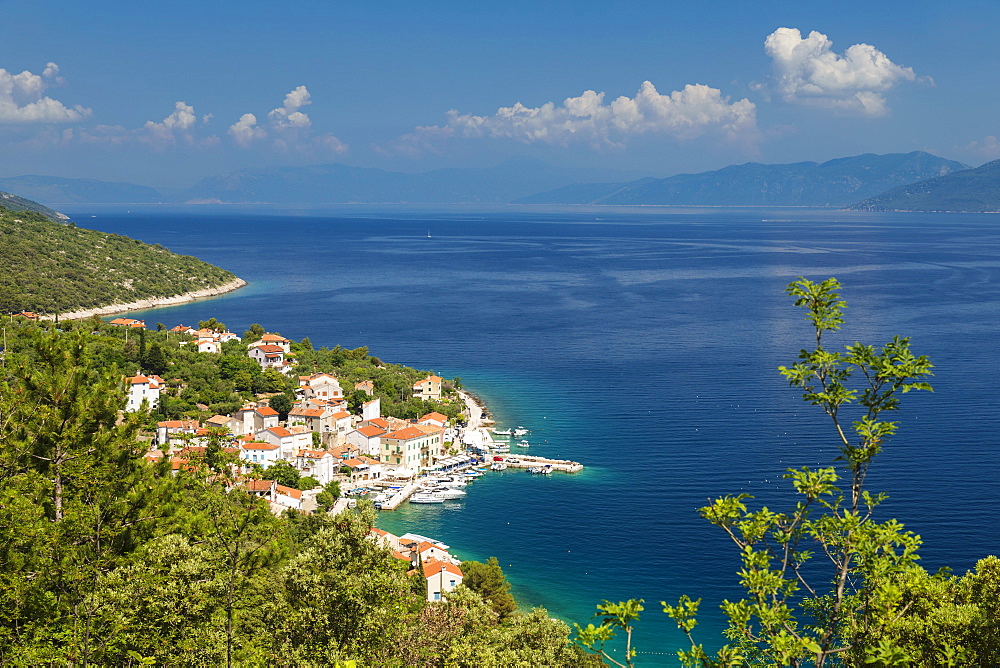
527,461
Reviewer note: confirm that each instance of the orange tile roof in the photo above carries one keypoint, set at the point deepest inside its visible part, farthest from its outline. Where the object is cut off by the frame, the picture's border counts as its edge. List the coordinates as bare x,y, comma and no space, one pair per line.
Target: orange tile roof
406,434
270,349
289,491
259,485
433,567
371,431
307,412
266,411
273,337
340,415
280,432
435,416
259,446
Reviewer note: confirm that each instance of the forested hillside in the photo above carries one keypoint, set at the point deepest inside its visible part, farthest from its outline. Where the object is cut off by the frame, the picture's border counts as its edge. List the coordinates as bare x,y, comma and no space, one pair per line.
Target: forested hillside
109,559
48,267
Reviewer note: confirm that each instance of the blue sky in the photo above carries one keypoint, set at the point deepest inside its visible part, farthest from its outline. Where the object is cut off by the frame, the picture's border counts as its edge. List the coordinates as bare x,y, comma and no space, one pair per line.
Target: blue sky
164,95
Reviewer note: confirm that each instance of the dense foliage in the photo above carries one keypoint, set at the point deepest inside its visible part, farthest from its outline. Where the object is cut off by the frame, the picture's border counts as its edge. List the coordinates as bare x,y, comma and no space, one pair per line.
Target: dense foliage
106,559
18,203
49,267
826,581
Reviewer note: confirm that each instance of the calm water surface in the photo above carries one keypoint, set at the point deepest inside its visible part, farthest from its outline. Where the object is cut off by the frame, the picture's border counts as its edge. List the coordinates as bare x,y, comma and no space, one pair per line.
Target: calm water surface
643,344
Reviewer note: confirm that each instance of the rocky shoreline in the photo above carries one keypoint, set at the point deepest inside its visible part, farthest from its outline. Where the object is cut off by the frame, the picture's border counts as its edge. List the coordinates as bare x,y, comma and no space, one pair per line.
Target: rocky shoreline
152,302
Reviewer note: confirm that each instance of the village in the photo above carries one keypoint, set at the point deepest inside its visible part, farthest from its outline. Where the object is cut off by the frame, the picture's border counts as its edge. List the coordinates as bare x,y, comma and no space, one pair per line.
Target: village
362,452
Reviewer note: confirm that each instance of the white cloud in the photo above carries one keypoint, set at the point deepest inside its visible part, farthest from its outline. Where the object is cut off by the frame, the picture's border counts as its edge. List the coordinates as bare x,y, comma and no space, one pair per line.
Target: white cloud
245,131
289,116
683,114
288,128
809,72
175,128
988,147
22,100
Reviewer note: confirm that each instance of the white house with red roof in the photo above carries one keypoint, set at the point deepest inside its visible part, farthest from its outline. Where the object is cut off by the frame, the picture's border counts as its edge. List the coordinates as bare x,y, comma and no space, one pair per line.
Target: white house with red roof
320,464
290,439
342,423
289,497
209,346
273,340
261,453
367,386
317,419
428,388
170,431
269,357
184,329
442,577
367,439
436,419
128,322
321,386
143,388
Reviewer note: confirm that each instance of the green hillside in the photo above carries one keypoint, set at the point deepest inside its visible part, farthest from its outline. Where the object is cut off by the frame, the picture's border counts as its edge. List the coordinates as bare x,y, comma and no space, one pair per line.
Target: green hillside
971,190
17,203
48,267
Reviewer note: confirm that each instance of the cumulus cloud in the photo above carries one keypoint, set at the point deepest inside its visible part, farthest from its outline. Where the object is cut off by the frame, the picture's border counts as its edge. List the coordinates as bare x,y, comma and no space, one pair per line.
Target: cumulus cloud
988,147
22,99
288,128
179,128
809,72
245,131
683,114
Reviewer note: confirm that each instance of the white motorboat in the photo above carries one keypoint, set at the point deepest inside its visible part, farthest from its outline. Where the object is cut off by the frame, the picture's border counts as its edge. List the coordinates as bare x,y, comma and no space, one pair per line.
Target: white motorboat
523,444
426,497
520,431
454,483
449,493
499,466
502,432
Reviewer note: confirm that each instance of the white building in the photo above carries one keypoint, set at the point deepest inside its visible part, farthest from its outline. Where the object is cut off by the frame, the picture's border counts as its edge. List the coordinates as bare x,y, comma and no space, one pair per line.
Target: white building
143,388
442,577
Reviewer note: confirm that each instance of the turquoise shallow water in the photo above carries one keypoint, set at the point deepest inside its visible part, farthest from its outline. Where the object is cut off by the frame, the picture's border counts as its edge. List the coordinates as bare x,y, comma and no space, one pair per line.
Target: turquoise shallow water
643,344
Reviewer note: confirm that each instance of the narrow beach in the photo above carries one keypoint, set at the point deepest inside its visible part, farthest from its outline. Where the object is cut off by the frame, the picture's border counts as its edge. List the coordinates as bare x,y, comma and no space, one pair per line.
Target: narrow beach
152,302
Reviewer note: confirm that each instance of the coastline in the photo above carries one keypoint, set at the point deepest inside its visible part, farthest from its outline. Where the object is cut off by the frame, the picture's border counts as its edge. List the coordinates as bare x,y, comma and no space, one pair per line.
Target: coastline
479,416
152,302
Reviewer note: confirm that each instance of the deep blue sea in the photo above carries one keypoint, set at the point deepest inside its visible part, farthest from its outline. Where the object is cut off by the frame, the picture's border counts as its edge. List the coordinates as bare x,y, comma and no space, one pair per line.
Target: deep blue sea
643,343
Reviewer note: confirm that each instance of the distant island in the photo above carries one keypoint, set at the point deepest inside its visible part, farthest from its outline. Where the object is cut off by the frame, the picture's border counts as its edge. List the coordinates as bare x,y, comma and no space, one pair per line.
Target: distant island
972,190
54,269
916,181
838,183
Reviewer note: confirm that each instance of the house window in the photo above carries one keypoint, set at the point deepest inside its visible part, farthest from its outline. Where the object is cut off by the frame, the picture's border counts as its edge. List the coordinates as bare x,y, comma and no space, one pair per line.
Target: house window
451,583
437,596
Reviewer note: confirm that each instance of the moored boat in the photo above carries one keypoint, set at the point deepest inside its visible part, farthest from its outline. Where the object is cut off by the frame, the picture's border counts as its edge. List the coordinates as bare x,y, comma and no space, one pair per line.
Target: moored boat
426,497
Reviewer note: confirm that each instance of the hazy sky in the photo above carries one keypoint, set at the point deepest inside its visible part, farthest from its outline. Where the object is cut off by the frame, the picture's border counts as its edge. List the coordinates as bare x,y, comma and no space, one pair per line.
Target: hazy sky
163,94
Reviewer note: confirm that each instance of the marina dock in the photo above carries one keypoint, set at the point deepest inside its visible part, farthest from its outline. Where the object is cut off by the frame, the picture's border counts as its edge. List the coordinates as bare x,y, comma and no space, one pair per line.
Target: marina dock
527,461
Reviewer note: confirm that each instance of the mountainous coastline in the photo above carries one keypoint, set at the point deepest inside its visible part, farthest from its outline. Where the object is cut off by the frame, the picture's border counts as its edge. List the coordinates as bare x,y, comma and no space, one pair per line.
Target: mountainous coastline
875,182
972,190
83,191
337,183
49,267
839,182
13,202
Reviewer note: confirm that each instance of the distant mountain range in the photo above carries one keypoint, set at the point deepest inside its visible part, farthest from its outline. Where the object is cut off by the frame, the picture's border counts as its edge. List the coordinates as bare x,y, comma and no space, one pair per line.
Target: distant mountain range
84,191
973,190
838,182
331,184
914,181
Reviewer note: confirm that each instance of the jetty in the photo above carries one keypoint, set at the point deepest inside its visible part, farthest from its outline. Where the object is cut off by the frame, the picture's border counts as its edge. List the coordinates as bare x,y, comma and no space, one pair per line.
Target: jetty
528,461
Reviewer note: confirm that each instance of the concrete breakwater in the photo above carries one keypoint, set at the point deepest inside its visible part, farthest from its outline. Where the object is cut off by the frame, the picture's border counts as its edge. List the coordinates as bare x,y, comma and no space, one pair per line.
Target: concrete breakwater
527,461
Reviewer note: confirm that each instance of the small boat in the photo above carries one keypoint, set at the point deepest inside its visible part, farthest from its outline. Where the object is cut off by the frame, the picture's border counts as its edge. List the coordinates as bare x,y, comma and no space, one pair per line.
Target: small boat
502,432
499,466
520,431
426,497
523,444
449,493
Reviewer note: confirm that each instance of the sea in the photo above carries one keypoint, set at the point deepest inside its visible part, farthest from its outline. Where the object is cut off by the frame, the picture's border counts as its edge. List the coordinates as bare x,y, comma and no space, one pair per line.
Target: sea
643,343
